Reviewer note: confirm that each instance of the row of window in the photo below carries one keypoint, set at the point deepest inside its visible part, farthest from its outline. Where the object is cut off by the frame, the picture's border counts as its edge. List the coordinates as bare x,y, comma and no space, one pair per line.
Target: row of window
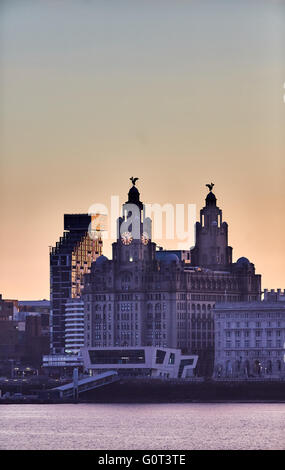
256,333
257,324
259,353
256,344
252,315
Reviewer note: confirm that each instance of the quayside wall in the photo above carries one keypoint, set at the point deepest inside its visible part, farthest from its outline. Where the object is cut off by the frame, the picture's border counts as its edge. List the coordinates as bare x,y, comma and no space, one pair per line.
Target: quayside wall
155,391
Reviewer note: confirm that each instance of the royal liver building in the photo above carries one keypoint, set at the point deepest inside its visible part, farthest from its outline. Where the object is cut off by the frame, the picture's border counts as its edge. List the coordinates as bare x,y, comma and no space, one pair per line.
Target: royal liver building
140,298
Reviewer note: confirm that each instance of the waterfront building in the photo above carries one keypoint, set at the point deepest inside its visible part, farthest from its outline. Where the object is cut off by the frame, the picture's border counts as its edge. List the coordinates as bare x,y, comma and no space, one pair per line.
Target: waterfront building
37,339
11,343
144,298
70,259
61,365
11,337
32,317
147,361
24,334
250,338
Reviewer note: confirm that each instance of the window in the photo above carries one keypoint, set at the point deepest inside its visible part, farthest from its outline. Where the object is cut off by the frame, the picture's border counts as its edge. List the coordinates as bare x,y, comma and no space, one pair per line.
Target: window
171,358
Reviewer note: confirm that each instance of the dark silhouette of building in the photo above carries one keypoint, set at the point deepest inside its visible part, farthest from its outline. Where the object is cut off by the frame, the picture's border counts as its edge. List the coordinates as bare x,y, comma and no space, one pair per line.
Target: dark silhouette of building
11,347
24,334
36,343
7,308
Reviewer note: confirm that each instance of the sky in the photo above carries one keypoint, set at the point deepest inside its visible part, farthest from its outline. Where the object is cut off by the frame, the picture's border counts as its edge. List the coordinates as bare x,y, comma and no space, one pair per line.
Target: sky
178,93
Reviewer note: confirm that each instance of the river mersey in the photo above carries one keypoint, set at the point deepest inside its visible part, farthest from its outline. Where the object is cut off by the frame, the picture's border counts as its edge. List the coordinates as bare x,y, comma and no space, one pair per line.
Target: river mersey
225,426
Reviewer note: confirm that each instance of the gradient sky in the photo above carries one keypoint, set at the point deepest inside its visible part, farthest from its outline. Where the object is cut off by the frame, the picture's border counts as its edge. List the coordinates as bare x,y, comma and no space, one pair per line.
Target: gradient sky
178,93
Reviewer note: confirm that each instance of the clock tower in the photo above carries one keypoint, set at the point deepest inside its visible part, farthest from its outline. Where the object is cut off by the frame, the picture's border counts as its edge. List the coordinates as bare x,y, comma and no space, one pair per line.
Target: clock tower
134,243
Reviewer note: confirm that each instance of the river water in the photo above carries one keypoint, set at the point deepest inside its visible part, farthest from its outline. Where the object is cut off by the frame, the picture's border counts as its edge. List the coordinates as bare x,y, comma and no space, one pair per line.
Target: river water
142,426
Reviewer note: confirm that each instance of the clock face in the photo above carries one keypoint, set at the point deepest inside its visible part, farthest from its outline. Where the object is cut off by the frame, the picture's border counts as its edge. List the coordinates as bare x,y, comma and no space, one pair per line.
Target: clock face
145,238
126,238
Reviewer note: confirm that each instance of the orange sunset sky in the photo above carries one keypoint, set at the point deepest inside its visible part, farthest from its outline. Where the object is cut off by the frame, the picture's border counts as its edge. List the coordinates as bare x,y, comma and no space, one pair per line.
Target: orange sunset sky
178,93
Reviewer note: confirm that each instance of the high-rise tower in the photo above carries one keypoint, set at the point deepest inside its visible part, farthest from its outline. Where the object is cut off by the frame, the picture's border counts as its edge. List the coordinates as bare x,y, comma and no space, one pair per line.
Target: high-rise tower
70,259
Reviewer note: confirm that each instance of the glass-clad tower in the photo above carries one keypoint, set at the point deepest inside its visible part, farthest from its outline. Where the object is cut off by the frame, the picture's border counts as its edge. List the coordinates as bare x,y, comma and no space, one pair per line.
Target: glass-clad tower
70,259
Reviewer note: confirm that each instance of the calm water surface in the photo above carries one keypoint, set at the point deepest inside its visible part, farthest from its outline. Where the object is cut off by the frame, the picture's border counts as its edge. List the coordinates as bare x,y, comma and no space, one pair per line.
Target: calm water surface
154,426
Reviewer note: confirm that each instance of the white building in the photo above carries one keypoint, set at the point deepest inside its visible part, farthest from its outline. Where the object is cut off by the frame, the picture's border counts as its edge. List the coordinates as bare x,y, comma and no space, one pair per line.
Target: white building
250,338
74,326
147,361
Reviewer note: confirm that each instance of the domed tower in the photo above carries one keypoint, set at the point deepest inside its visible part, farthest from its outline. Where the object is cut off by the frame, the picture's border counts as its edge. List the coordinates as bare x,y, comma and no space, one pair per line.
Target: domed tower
133,231
211,248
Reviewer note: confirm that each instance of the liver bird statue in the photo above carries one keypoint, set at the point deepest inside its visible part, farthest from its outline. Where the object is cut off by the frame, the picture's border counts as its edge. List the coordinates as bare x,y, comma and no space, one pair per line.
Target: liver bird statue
210,186
133,180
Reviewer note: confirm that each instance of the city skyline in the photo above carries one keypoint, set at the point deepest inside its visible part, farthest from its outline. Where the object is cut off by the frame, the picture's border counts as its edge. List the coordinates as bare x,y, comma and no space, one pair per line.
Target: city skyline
142,281
179,96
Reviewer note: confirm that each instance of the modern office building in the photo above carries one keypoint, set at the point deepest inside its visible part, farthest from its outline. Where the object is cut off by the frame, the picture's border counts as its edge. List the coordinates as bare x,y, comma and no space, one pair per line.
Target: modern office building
147,361
137,299
250,338
70,259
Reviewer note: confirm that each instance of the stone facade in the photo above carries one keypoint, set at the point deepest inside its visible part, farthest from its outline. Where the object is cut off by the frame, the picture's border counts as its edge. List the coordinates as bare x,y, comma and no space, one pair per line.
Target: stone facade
249,339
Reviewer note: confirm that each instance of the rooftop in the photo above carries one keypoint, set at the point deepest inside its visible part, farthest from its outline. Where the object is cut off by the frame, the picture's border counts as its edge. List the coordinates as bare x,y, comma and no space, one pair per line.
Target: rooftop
256,305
